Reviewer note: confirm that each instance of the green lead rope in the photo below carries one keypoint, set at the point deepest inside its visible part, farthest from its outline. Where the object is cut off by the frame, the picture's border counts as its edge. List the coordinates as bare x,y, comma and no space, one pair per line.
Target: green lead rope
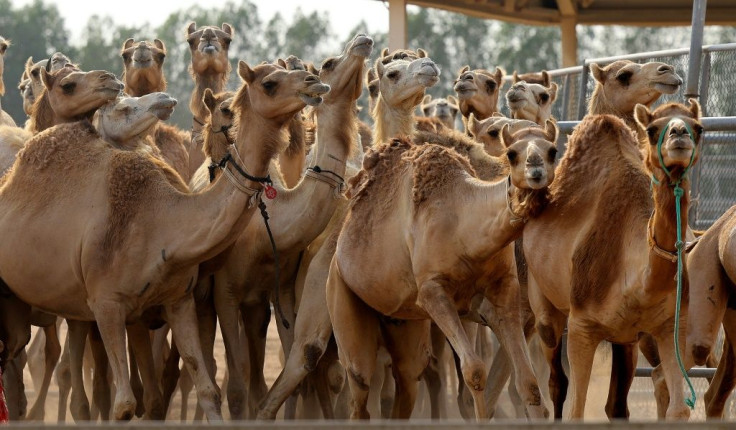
679,245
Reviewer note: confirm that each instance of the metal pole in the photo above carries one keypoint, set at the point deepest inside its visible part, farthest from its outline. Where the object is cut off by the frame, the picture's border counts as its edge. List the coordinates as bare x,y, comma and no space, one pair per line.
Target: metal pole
696,49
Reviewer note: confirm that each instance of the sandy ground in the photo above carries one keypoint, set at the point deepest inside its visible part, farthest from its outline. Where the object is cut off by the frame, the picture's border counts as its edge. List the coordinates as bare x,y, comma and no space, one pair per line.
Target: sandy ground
641,400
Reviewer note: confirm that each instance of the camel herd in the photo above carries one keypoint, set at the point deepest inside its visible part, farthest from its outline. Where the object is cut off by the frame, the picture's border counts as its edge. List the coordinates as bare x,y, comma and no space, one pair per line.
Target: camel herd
375,245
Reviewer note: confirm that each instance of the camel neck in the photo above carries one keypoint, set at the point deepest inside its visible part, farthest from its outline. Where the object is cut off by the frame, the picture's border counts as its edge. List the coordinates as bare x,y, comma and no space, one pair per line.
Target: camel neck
43,116
215,82
599,105
391,121
258,140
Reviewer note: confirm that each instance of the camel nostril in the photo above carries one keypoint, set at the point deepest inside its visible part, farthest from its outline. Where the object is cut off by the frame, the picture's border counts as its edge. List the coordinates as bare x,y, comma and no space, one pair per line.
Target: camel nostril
311,80
665,69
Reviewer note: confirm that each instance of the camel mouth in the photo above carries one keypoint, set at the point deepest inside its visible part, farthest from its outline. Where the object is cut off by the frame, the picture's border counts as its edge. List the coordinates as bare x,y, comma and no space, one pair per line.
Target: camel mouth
515,101
465,90
427,79
666,88
141,63
210,49
362,46
163,113
311,100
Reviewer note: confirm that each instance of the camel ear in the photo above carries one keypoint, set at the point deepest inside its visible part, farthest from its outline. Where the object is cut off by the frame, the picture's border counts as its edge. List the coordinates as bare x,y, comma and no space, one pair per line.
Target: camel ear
499,76
452,100
209,100
384,52
422,53
24,76
426,99
545,78
47,79
550,131
281,62
158,43
246,73
371,76
380,68
505,135
473,125
192,27
598,72
694,108
227,28
463,70
497,115
128,43
29,64
642,115
552,90
516,77
311,69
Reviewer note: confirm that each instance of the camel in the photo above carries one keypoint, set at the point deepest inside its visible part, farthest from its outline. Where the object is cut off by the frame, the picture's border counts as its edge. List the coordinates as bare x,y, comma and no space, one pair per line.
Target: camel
244,283
432,287
371,79
143,74
292,161
477,92
542,78
33,87
444,109
488,131
5,119
122,180
617,284
210,68
532,102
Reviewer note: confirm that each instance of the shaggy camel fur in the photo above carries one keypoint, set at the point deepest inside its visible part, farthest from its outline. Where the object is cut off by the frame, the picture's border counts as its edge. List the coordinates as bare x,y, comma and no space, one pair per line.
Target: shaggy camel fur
143,74
488,131
532,102
711,291
414,179
477,92
244,284
135,190
210,68
444,109
5,119
624,288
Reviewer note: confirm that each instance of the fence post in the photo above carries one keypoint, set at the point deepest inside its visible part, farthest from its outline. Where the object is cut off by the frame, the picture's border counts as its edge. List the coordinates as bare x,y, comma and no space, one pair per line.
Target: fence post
583,90
696,49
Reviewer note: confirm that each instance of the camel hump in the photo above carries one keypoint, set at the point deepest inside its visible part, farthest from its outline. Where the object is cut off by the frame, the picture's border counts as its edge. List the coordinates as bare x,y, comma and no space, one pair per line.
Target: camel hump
63,145
380,165
436,170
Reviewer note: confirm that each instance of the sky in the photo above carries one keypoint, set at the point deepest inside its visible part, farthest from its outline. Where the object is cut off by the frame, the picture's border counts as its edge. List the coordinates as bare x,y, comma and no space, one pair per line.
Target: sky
344,14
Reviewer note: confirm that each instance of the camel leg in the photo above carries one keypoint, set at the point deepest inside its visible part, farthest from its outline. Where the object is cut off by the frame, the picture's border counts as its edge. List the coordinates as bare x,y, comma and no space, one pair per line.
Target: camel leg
725,378
100,382
623,368
135,381
433,374
207,324
52,352
227,311
182,318
433,298
36,358
672,375
185,387
63,381
387,395
255,322
356,332
77,339
140,344
14,386
408,344
581,346
171,373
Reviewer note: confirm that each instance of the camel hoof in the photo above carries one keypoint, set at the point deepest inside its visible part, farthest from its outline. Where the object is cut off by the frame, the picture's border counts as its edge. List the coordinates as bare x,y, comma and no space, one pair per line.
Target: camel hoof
125,410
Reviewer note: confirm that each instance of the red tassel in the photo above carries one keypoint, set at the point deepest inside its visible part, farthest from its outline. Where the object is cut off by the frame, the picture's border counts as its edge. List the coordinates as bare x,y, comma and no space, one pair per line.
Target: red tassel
3,406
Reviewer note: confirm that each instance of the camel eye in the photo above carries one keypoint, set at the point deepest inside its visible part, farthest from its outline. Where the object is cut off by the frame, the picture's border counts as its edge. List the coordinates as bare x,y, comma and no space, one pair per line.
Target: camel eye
328,64
393,74
125,55
69,87
373,89
493,133
652,133
512,156
35,72
552,154
544,97
426,112
269,86
227,40
161,57
624,77
491,85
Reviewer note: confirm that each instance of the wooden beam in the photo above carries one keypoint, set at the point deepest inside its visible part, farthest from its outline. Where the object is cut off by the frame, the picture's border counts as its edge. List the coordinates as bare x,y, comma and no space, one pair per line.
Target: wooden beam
569,41
397,34
566,7
509,5
655,17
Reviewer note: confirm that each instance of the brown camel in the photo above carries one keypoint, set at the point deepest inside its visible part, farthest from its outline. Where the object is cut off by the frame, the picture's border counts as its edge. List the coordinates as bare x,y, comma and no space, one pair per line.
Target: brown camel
362,304
5,119
532,102
444,109
135,190
210,68
477,92
618,283
293,159
488,131
32,77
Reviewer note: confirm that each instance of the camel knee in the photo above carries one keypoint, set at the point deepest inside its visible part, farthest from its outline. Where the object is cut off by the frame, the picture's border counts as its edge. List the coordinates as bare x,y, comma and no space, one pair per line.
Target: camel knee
359,380
700,353
474,374
547,334
336,377
312,354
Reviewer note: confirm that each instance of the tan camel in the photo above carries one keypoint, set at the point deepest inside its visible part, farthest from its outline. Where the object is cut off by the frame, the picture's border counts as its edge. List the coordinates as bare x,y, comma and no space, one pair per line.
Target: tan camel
371,79
617,284
32,78
5,119
210,68
292,160
477,92
444,109
488,131
532,102
433,286
126,181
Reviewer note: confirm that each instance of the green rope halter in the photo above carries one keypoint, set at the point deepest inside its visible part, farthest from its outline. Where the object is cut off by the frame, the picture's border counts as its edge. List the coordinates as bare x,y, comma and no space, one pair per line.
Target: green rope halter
679,245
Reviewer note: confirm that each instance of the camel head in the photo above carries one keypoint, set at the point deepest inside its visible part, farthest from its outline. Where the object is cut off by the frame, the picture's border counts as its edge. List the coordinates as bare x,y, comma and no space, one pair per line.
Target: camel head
344,73
477,91
531,153
532,102
127,118
33,72
143,64
443,109
4,44
292,62
372,81
73,93
488,131
221,119
26,91
623,84
672,123
209,46
541,78
402,82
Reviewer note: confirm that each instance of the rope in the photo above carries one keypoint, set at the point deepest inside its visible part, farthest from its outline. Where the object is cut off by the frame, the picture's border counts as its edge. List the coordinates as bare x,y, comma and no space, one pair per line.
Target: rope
276,299
678,192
